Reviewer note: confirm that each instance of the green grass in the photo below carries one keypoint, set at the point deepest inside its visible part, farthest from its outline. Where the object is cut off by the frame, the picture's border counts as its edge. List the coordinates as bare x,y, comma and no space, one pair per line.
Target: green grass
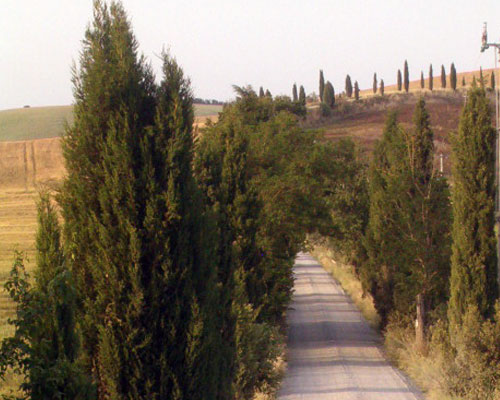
46,122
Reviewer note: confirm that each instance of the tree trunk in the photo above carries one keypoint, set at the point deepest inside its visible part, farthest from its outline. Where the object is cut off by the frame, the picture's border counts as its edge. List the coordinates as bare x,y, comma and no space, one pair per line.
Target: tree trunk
420,325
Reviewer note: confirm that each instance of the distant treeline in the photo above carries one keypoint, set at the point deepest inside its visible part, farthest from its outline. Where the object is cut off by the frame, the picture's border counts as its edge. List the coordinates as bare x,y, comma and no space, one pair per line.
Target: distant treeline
214,102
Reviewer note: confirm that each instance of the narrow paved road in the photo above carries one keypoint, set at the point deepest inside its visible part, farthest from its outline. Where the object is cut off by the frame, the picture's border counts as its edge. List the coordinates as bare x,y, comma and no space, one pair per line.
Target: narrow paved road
332,351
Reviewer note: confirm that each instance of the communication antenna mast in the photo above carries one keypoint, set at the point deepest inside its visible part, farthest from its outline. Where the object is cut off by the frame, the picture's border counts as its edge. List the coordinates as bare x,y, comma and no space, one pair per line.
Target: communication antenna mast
484,46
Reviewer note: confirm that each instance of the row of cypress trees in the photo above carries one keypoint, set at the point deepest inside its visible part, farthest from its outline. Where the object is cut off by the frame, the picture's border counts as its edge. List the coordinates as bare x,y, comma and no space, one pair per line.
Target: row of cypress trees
429,255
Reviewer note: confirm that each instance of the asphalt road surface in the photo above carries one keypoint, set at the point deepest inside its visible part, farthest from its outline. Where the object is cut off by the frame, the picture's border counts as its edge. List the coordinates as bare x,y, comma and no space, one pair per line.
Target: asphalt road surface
332,351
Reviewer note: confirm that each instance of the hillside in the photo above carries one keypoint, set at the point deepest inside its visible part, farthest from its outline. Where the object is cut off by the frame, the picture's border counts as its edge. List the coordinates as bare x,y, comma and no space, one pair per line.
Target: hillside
48,122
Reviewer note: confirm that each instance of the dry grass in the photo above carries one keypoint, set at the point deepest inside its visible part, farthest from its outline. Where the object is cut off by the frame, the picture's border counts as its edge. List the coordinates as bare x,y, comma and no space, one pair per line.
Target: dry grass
347,278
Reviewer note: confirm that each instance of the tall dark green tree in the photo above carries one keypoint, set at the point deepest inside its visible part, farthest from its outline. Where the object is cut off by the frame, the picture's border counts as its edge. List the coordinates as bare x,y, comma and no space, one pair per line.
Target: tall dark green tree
329,95
481,78
302,95
261,92
382,88
463,81
45,346
443,77
133,225
113,102
295,96
400,83
492,80
375,83
431,78
406,77
453,77
321,85
356,90
407,239
473,263
348,86
268,94
422,80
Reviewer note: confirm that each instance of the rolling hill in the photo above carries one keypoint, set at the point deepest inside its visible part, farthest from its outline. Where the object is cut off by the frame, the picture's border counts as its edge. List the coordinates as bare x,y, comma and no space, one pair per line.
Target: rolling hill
48,122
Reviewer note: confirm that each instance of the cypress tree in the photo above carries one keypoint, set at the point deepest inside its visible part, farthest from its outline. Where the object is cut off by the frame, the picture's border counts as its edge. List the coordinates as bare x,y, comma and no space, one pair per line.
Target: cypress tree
481,78
329,95
356,90
375,83
302,95
431,78
45,345
382,87
268,94
113,101
406,77
453,77
473,264
348,86
492,80
422,81
295,96
133,227
399,80
261,92
463,81
321,85
443,77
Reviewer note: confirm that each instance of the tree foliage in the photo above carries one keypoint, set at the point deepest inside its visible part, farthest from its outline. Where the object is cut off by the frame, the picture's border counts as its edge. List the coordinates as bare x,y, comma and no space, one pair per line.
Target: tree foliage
302,95
473,262
321,85
422,80
329,95
431,78
443,77
375,83
295,95
348,86
407,240
45,346
400,83
406,77
382,88
453,77
356,90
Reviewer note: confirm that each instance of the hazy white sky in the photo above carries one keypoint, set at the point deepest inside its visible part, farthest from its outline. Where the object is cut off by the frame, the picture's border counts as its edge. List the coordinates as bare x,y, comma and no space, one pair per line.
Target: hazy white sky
272,43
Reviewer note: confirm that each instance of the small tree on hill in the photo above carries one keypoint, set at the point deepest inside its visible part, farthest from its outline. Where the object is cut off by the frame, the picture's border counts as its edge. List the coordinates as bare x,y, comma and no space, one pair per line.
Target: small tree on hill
268,94
431,78
453,77
443,77
329,95
375,83
481,78
295,96
382,87
406,77
321,85
422,81
473,262
302,95
492,80
356,90
463,81
348,86
400,83
261,92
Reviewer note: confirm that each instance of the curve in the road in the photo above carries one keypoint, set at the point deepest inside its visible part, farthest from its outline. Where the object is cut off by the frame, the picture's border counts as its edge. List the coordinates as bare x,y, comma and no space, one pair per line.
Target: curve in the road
332,351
